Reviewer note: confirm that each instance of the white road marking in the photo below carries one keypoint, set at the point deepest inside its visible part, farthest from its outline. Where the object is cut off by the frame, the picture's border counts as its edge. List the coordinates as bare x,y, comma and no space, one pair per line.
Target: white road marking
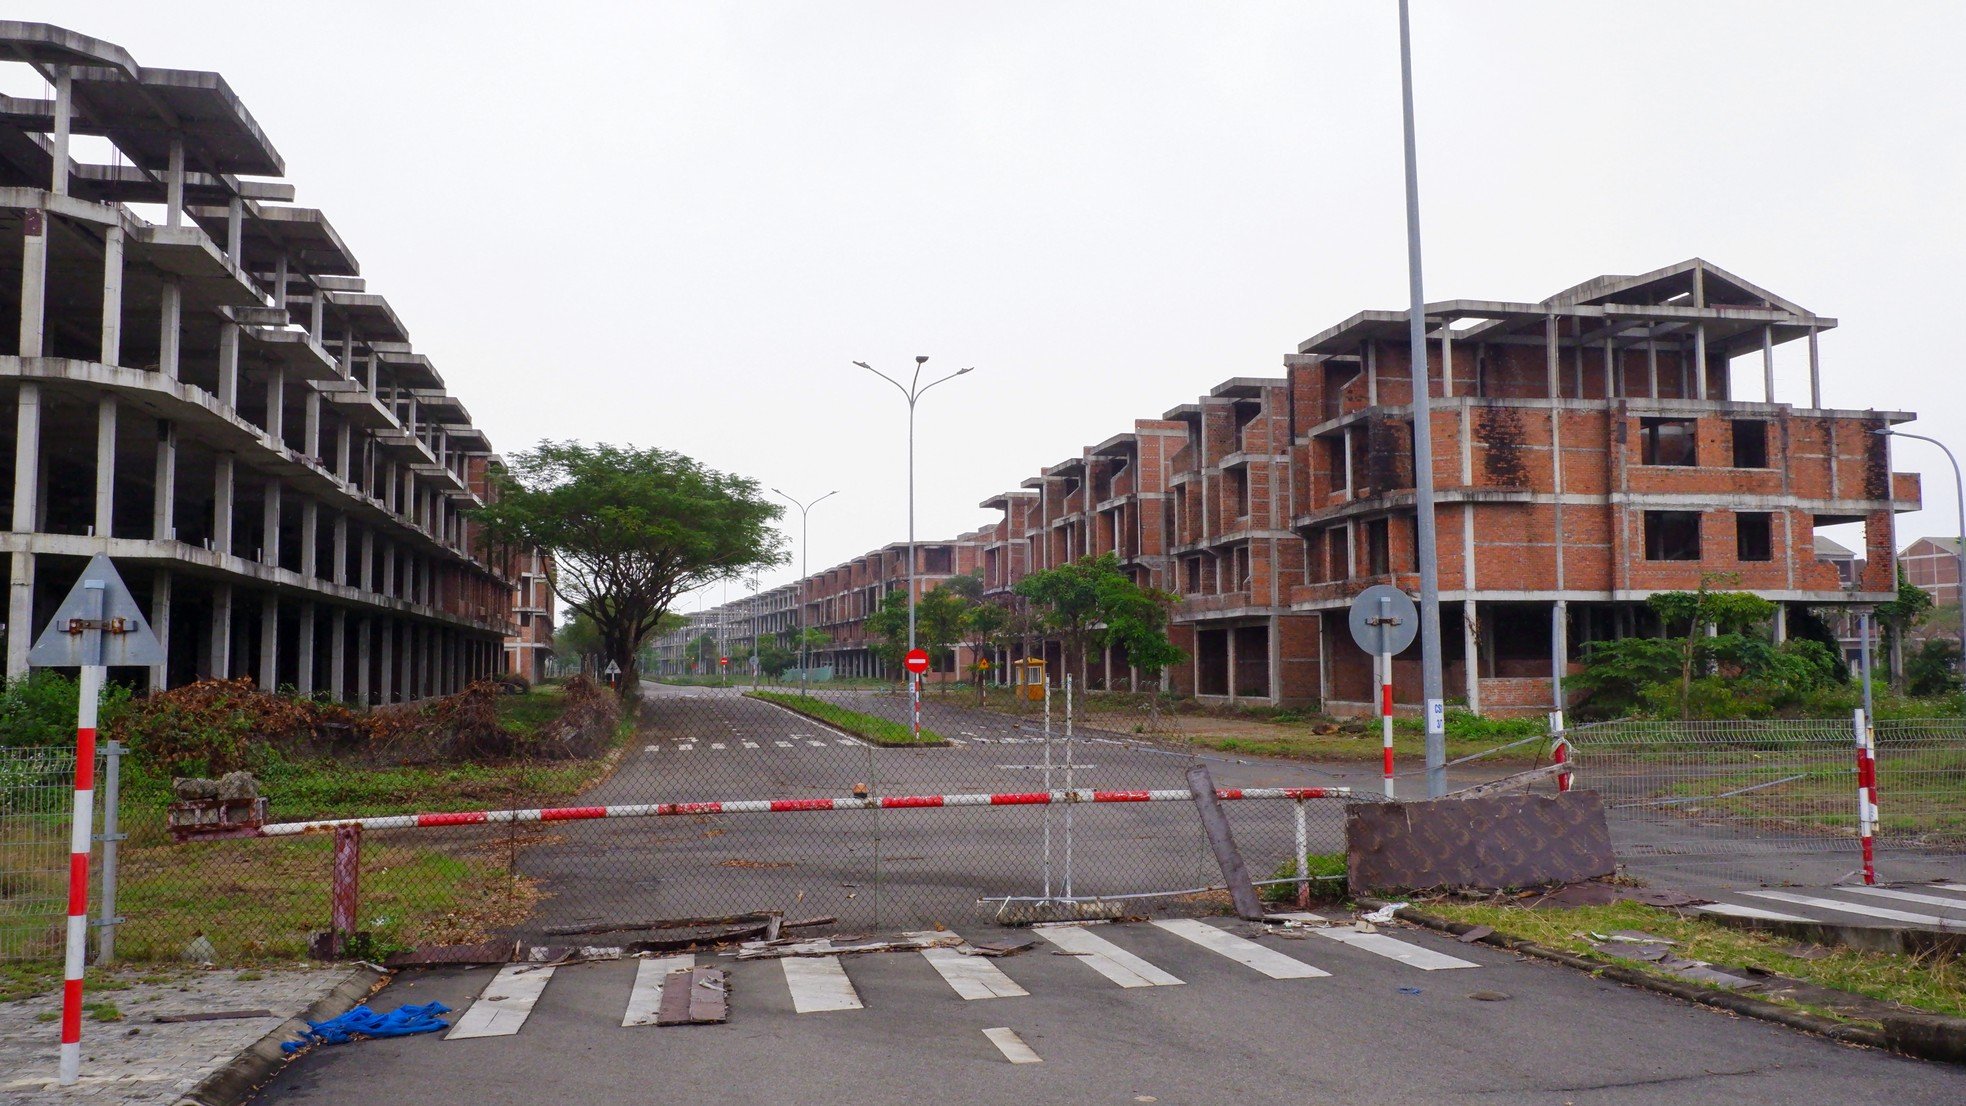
957,741
1241,950
1012,1046
651,748
750,744
1906,896
684,748
1950,886
1378,944
783,744
1860,908
848,741
716,744
1106,958
973,977
646,996
817,744
1734,911
501,1008
818,984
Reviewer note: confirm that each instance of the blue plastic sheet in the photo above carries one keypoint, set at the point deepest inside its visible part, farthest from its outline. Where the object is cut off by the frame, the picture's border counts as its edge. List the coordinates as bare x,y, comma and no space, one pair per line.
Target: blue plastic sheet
363,1022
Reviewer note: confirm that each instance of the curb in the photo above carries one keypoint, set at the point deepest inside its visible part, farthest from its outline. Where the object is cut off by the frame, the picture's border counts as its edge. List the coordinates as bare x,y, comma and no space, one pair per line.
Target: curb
1924,1036
236,1080
942,743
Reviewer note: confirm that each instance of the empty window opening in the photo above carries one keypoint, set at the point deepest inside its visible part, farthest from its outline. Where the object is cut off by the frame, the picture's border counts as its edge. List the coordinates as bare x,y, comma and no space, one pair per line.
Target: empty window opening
1237,479
1754,536
1332,454
1378,552
1750,444
1672,535
1668,442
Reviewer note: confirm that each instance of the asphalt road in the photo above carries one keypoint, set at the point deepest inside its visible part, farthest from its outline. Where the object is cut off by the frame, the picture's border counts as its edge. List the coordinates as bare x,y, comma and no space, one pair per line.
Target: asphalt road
1372,1031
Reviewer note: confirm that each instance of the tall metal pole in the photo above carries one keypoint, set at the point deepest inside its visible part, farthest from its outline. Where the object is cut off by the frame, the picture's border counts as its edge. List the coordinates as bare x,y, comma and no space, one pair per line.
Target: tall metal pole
1423,445
1959,488
913,392
803,532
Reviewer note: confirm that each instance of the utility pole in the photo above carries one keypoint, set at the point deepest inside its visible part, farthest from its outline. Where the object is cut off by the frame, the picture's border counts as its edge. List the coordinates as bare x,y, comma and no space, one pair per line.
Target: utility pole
803,508
1423,445
913,392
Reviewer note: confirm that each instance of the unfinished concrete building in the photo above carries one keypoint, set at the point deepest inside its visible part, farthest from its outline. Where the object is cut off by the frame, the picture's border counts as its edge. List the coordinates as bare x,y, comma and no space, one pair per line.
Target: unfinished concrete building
201,386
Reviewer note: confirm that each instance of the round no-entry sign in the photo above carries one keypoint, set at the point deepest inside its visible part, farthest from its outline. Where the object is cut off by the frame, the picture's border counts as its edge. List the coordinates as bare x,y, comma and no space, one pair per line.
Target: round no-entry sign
916,661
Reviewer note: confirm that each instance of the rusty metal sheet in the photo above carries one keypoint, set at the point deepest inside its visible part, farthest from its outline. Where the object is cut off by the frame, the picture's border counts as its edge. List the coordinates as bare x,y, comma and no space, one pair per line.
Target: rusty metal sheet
1490,842
496,951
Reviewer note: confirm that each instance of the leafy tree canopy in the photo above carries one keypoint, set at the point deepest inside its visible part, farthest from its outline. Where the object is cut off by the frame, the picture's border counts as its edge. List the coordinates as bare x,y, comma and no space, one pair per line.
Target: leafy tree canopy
1093,602
630,530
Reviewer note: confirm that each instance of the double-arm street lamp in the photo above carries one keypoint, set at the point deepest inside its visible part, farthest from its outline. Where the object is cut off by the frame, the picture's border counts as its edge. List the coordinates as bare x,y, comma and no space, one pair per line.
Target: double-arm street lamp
803,508
1959,487
913,392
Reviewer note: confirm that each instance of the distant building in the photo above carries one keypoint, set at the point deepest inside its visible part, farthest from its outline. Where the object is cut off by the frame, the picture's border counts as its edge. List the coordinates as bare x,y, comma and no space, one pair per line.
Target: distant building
1933,564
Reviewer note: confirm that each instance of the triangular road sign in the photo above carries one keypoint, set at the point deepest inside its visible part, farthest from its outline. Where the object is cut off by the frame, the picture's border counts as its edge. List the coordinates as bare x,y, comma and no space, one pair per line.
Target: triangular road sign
98,602
613,669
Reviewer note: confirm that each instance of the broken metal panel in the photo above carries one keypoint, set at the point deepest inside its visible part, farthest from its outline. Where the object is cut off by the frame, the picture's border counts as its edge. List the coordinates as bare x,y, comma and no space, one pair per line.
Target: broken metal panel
1490,842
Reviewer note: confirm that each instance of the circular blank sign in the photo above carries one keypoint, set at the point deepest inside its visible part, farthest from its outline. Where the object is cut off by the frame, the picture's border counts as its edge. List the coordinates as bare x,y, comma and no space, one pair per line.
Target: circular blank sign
1384,602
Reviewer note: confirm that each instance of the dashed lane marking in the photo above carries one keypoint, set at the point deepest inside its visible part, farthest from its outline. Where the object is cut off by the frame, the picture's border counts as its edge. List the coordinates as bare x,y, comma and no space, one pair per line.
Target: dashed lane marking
750,744
684,748
1907,896
1012,1046
501,1008
1378,944
817,744
1241,950
1861,908
646,996
783,744
1106,958
972,977
819,984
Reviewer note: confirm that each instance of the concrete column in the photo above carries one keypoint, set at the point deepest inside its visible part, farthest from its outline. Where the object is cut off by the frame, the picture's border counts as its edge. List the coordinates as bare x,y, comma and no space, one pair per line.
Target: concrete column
64,120
344,449
280,282
276,406
407,632
174,185
388,568
1781,623
106,465
304,656
269,525
170,328
426,662
222,480
163,501
1815,373
364,626
339,574
33,280
1471,652
27,456
160,624
310,538
310,425
338,655
235,230
387,659
367,576
228,364
269,642
1699,336
1768,363
222,631
346,362
316,308
112,296
1229,640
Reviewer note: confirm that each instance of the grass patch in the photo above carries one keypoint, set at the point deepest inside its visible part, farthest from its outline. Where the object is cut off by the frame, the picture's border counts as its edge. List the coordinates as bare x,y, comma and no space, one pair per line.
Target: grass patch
880,731
1923,983
1328,882
525,714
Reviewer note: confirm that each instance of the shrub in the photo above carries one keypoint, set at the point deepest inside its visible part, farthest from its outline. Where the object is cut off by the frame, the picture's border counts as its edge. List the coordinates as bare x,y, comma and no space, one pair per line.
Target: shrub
1327,879
39,709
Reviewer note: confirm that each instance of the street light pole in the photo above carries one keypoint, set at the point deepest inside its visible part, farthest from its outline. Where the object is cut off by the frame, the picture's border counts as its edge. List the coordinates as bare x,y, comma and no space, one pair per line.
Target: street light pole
913,392
803,508
1423,445
1959,487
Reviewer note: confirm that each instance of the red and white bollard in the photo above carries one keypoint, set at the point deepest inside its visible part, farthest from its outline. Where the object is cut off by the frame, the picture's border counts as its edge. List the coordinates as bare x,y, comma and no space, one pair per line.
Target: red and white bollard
1386,714
81,830
1866,792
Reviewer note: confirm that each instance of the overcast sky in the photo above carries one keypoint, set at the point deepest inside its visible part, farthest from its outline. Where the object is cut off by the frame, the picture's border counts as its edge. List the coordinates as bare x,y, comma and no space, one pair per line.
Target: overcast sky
677,224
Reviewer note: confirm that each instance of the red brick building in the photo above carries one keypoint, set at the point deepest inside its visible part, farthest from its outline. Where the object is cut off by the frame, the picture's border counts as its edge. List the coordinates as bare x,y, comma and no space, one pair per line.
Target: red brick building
1933,564
1589,450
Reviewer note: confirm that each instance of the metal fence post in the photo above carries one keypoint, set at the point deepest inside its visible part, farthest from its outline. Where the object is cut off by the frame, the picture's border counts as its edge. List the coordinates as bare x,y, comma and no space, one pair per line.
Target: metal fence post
112,779
1303,859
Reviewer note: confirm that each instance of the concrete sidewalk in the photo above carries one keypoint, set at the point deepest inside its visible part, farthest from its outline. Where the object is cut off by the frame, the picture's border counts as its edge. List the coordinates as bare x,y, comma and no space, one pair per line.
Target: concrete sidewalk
137,1059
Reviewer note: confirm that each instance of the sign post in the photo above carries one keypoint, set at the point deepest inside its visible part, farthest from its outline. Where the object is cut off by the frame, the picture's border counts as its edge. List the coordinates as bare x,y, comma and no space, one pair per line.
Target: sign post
97,625
1384,622
916,662
613,673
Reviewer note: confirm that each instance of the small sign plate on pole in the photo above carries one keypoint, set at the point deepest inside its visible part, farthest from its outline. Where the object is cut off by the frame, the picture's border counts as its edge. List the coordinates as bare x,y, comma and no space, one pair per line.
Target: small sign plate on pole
916,661
612,670
126,641
1391,632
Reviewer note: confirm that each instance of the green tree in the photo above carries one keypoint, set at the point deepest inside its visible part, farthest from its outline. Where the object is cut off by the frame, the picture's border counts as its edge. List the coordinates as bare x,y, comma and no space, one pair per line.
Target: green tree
1693,612
1093,602
1897,618
938,625
630,529
1933,668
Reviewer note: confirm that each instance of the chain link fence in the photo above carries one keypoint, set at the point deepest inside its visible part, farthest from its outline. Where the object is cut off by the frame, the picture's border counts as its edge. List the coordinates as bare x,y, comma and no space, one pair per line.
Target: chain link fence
617,880
1750,791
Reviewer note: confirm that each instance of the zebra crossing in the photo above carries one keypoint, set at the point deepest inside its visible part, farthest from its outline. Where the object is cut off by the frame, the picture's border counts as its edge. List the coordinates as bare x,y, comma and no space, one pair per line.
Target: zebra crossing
1938,906
739,743
822,984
